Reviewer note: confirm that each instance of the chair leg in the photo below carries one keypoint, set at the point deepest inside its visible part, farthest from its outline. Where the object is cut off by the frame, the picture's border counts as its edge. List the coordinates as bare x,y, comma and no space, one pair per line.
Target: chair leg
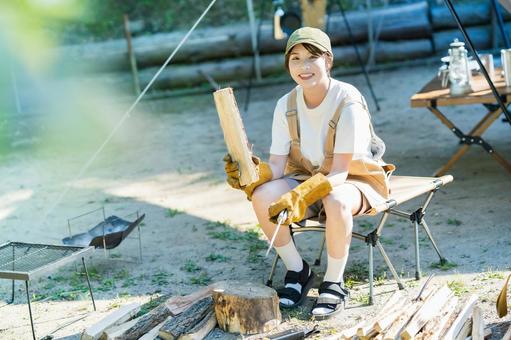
318,259
443,260
371,295
269,283
390,265
417,256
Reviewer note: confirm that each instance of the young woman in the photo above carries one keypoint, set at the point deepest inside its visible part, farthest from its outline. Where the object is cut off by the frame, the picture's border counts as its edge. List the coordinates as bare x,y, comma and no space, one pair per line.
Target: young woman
322,161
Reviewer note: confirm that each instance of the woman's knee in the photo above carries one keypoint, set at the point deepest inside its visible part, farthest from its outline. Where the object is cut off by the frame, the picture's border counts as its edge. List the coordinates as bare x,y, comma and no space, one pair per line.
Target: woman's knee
337,205
268,192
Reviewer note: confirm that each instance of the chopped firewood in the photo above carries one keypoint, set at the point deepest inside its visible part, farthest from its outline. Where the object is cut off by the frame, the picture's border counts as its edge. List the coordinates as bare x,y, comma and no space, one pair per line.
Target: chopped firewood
119,316
116,331
507,336
202,329
246,308
234,135
465,314
351,332
173,306
486,334
477,324
433,328
153,333
176,326
395,302
428,310
465,330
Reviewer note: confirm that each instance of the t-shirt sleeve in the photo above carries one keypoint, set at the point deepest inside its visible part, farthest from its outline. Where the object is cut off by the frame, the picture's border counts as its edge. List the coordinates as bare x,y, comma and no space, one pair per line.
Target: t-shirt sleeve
353,134
280,138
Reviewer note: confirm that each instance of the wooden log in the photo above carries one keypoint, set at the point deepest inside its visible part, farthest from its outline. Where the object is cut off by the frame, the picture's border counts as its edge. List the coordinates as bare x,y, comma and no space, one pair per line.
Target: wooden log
409,21
465,330
471,14
176,326
477,324
234,135
428,310
465,314
433,328
313,13
246,308
507,335
202,329
172,307
394,302
117,317
153,333
115,332
479,35
486,334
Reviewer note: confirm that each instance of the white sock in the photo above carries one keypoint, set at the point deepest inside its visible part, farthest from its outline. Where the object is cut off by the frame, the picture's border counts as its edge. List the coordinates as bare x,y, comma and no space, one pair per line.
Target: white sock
293,261
334,273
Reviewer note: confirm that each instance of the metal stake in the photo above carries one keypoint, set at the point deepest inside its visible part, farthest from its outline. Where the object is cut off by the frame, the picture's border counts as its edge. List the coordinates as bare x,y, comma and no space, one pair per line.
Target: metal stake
88,283
30,310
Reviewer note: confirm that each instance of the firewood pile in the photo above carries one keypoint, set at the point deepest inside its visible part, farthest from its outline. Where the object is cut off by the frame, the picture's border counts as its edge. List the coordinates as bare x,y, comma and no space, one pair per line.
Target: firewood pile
436,313
247,308
236,307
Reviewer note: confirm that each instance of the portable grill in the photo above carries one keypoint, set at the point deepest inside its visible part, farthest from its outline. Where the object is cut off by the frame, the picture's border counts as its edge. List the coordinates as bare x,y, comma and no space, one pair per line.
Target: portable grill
26,261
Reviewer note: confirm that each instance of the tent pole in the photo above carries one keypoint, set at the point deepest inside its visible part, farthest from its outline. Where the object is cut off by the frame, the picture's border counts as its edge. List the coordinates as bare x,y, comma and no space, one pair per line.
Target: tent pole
500,22
476,56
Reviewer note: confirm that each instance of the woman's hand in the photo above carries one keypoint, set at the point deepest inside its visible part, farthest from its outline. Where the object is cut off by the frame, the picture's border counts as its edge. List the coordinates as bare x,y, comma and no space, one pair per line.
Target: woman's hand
233,174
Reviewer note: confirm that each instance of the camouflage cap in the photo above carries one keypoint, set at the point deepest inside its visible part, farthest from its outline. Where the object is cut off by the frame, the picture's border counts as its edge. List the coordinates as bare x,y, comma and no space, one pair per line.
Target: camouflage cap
309,35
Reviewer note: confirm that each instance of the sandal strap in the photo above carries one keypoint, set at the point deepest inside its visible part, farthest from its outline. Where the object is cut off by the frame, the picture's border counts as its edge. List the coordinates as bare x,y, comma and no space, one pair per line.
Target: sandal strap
289,293
333,288
300,277
327,300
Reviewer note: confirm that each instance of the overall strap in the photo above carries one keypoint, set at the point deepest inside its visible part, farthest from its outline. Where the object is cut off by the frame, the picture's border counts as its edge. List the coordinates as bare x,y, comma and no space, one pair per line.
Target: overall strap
292,118
332,128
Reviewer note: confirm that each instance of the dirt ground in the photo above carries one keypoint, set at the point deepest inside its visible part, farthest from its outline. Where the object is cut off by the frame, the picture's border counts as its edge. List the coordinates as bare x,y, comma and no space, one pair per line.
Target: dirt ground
165,161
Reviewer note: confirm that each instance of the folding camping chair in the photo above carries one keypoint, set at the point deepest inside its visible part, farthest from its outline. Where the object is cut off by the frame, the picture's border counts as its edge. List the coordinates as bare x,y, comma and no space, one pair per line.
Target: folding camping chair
403,189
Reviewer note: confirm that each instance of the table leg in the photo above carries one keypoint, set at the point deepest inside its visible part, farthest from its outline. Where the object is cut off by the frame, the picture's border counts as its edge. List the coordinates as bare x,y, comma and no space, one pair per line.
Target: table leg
472,138
30,310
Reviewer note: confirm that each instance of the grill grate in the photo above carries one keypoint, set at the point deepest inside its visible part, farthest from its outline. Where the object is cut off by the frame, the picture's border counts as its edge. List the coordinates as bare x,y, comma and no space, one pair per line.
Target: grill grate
26,258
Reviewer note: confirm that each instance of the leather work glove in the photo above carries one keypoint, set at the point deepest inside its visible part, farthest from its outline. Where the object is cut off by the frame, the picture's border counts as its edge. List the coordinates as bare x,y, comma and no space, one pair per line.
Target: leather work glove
233,175
300,198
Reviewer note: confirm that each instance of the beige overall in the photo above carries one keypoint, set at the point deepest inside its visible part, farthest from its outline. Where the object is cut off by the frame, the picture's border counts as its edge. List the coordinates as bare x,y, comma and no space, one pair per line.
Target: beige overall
371,177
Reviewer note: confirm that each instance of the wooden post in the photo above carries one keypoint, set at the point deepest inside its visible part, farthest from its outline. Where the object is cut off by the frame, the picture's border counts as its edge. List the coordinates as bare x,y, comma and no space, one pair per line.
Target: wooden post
313,13
234,135
477,324
131,56
464,315
255,42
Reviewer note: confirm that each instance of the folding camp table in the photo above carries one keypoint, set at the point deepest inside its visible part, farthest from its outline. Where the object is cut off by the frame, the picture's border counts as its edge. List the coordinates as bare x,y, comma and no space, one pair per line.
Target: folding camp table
402,189
433,95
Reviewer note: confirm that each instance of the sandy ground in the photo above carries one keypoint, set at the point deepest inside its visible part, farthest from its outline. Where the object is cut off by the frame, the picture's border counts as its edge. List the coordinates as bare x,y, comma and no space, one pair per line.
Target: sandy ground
166,162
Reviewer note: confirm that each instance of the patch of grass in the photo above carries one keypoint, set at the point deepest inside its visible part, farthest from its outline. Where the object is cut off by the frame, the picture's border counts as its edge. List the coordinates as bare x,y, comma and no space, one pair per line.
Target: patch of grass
106,285
173,212
361,298
190,267
160,278
202,279
443,266
403,246
387,241
490,275
365,225
226,235
122,274
216,224
454,221
380,279
217,258
151,304
457,287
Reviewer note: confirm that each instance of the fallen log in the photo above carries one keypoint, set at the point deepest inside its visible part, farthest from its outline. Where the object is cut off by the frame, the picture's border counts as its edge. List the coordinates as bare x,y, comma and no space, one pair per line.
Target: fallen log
407,21
481,37
202,329
174,327
433,328
153,333
471,14
246,308
427,311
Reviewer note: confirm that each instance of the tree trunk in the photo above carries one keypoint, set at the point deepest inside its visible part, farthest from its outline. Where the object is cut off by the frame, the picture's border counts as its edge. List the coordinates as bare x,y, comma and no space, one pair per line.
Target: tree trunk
246,308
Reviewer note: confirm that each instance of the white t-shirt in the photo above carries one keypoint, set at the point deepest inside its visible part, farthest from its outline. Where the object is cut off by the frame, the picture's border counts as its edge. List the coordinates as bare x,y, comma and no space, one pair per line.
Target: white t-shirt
353,134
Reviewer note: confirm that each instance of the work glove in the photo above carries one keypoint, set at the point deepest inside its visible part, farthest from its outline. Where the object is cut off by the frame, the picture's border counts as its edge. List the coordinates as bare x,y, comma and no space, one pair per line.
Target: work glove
233,175
300,198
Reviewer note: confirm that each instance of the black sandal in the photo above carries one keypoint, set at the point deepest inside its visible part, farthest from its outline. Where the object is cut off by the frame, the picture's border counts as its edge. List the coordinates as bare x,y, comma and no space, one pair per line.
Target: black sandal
304,279
336,305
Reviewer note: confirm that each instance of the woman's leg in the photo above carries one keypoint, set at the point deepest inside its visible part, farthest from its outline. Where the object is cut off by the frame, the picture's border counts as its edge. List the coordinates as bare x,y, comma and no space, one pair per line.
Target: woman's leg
340,205
263,196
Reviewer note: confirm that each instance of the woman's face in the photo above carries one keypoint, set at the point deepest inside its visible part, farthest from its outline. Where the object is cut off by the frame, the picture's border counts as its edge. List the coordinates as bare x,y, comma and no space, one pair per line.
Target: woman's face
306,69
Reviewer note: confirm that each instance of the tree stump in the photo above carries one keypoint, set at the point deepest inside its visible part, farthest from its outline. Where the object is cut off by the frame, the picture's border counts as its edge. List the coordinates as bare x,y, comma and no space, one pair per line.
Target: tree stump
246,308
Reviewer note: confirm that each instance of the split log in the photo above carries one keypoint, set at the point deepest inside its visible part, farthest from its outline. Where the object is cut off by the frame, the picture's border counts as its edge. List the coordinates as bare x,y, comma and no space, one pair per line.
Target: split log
465,314
174,327
246,308
477,324
118,317
172,307
507,335
387,316
202,329
428,310
394,302
113,333
433,328
409,21
465,330
486,334
234,135
153,333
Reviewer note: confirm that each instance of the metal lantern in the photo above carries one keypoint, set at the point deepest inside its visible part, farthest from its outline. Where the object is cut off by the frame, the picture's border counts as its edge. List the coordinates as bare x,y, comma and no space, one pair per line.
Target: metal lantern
459,71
